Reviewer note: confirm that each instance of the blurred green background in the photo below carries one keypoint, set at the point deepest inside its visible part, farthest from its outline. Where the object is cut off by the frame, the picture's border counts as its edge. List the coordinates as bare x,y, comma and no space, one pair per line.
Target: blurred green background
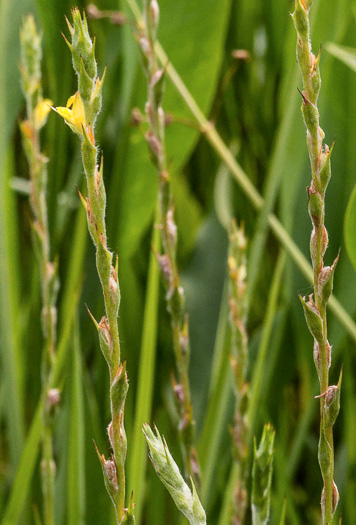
256,109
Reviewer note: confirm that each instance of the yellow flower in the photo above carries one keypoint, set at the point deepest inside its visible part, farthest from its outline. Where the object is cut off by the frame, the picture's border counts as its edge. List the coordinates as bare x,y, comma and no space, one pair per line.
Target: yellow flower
40,113
75,117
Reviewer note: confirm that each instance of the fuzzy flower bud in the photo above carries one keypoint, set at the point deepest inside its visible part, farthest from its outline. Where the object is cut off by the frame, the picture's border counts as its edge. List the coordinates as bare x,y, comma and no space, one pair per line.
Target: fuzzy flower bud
30,66
300,18
157,83
185,499
145,47
165,266
324,454
326,280
105,340
315,206
154,12
312,316
108,467
82,46
332,402
155,148
310,114
325,167
262,476
118,390
114,289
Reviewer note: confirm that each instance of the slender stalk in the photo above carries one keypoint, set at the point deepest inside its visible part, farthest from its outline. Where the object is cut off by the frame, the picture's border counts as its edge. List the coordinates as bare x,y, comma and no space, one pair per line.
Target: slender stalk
37,110
175,297
315,308
239,360
85,106
241,178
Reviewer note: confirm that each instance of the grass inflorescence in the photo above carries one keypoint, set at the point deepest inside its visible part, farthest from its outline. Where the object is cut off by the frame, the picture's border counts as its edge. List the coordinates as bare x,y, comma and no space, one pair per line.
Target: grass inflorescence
315,306
37,109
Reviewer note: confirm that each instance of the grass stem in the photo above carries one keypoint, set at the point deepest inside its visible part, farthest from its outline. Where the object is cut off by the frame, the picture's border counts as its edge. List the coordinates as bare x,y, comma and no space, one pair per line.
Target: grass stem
175,296
37,110
323,276
80,114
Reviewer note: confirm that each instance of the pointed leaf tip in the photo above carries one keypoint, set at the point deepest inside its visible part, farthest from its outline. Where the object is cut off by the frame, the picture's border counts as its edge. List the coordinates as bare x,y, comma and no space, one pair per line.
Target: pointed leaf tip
93,319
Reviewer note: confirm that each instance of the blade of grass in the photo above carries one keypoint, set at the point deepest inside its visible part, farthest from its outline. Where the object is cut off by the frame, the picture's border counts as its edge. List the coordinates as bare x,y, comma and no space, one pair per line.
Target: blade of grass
75,270
220,393
10,17
11,360
24,473
220,340
227,506
76,461
137,465
281,455
246,185
260,365
283,513
27,462
345,54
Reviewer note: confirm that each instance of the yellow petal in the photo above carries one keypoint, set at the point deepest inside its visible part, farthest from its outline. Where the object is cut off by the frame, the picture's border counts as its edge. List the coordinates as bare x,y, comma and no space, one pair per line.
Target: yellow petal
66,113
70,101
41,113
78,111
75,117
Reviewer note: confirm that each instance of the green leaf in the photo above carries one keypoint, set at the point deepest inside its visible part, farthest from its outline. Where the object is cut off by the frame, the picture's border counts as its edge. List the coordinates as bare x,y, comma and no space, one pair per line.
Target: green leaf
24,472
10,100
220,395
350,228
27,462
347,55
207,265
138,456
283,514
11,350
76,462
